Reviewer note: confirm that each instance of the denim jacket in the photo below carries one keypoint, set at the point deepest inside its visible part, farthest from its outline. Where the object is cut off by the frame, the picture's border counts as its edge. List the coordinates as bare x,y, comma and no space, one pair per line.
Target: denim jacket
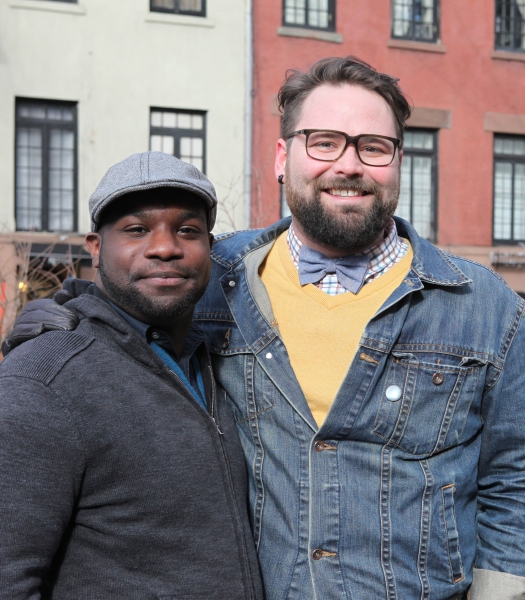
398,499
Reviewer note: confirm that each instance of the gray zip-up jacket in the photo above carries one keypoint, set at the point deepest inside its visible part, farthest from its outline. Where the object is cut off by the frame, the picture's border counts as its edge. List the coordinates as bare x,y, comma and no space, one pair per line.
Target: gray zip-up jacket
114,482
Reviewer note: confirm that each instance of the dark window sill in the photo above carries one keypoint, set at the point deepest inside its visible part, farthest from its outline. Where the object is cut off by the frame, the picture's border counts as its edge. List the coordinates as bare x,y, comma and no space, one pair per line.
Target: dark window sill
313,34
418,46
178,19
71,8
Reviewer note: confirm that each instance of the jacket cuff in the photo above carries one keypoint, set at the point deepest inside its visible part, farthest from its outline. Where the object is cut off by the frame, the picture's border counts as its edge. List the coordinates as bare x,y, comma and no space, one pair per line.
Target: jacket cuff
489,585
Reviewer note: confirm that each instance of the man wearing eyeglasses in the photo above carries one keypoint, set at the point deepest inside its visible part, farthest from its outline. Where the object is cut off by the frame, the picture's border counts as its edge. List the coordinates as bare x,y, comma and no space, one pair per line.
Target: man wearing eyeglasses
377,382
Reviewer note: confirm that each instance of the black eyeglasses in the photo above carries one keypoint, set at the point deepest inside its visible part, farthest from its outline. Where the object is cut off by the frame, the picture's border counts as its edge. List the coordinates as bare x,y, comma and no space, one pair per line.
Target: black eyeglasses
329,146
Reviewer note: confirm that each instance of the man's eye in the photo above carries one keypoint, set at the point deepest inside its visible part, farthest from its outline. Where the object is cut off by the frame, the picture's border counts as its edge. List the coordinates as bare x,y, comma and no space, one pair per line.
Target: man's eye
136,229
186,230
373,150
325,144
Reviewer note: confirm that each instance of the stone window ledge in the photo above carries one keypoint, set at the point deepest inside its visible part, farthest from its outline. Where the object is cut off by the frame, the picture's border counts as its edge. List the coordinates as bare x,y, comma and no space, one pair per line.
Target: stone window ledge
413,45
49,6
313,34
172,19
504,55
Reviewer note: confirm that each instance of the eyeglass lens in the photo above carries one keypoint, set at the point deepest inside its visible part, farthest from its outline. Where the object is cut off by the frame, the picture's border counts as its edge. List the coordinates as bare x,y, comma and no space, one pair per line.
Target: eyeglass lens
328,145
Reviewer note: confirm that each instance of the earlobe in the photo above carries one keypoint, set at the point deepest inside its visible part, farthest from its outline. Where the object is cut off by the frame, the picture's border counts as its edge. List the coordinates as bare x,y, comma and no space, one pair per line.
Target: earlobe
280,158
93,242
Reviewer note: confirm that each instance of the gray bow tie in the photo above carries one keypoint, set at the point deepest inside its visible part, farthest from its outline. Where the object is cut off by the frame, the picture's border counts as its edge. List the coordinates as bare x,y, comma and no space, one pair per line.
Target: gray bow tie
350,270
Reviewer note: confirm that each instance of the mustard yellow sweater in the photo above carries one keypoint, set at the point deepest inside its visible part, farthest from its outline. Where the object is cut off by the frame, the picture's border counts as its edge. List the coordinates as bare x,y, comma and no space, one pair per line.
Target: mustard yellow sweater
321,332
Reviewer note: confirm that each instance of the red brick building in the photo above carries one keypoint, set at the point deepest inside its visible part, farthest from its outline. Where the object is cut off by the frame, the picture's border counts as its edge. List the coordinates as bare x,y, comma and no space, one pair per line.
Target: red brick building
462,64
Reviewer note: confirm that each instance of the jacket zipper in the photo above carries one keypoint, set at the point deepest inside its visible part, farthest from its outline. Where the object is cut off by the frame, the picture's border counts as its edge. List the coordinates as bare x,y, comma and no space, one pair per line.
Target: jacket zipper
232,495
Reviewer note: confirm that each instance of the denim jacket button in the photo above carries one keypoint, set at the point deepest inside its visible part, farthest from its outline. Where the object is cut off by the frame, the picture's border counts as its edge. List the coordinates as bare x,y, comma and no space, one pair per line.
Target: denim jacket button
231,283
438,378
319,446
393,393
317,554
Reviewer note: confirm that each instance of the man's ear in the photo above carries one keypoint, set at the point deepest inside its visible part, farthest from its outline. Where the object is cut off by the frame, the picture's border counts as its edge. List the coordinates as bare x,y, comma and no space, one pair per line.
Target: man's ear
400,156
94,242
280,157
211,237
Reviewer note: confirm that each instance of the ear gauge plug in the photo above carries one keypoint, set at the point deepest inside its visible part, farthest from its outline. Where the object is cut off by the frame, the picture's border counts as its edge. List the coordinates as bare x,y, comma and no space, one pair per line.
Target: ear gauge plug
280,179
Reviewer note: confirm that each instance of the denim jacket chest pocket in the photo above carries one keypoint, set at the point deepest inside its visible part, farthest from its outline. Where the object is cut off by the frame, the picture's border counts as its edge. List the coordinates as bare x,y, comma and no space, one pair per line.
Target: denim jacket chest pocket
426,400
238,371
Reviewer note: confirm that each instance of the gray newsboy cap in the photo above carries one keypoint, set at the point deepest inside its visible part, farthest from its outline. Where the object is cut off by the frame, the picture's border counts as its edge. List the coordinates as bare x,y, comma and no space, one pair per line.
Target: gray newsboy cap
148,171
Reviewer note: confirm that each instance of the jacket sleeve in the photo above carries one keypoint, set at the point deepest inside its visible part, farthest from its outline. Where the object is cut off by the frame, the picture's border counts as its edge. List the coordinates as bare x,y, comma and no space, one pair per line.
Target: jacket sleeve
501,476
40,474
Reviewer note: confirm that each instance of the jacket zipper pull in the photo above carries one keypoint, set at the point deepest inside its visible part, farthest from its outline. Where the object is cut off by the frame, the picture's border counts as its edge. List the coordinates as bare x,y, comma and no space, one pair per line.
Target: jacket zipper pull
220,432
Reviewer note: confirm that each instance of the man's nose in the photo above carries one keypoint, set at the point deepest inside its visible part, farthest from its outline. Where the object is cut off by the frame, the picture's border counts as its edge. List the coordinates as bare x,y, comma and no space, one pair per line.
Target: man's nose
163,244
348,164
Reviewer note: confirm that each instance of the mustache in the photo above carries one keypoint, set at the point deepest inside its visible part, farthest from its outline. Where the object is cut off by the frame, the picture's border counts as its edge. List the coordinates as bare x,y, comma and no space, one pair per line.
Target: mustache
344,183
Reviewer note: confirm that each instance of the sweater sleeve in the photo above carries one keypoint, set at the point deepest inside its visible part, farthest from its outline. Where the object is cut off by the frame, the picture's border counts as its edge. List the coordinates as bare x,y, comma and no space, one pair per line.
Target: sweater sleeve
40,475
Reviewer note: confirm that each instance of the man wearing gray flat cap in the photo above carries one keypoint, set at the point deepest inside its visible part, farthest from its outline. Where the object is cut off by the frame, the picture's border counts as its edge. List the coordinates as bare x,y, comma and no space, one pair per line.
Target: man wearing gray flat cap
121,472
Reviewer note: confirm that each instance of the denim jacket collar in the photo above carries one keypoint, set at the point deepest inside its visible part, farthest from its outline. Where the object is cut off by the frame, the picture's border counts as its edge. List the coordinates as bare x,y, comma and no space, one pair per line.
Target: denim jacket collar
429,264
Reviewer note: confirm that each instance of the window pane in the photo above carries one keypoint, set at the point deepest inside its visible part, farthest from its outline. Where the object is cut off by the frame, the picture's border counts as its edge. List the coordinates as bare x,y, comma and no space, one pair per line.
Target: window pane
196,162
190,5
191,151
169,119
28,178
61,180
196,147
510,24
413,19
184,121
419,140
502,200
318,13
403,207
185,146
156,118
156,143
197,122
422,195
190,145
416,199
510,146
42,201
168,144
295,12
519,202
166,4
54,113
37,112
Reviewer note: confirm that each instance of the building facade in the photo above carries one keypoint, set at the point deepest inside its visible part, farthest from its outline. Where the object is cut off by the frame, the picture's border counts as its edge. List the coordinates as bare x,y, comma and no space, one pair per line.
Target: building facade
462,65
86,83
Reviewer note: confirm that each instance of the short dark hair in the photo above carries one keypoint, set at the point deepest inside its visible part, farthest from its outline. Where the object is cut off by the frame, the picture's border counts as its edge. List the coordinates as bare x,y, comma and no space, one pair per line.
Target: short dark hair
298,85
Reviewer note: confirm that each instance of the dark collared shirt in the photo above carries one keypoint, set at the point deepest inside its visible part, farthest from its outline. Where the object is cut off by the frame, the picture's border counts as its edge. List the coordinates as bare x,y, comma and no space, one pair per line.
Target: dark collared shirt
192,345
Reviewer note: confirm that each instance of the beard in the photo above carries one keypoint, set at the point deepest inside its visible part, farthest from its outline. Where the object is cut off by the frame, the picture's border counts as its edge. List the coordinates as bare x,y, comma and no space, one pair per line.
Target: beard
160,311
347,228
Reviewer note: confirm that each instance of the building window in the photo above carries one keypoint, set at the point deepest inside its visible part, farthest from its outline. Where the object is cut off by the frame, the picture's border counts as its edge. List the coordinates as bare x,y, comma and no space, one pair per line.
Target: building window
415,20
510,25
180,7
509,189
314,14
417,200
46,166
180,133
